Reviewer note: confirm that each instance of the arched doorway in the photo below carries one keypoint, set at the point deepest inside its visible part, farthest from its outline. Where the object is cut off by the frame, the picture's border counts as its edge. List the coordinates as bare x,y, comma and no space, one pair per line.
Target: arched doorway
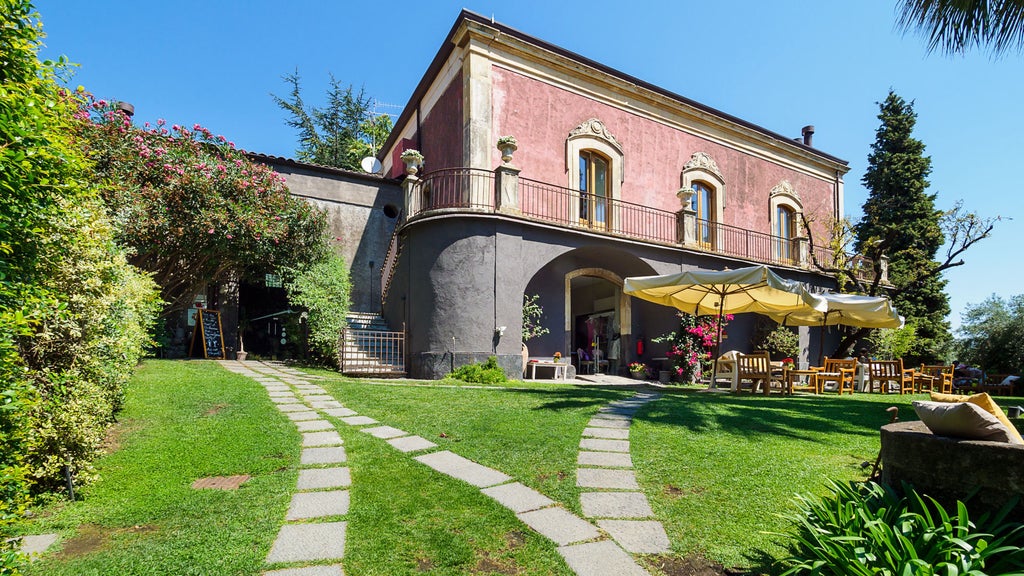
597,318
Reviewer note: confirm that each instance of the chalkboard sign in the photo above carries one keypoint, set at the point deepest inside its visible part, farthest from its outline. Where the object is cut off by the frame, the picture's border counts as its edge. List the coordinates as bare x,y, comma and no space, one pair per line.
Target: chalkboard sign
207,340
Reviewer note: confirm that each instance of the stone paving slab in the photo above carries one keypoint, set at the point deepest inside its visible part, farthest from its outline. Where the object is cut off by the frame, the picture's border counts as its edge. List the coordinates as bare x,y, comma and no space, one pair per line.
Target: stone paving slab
36,543
384,432
307,571
318,397
307,388
358,420
411,443
638,536
602,445
602,558
313,425
559,525
331,455
596,422
466,470
605,459
607,433
305,415
292,407
318,504
317,478
321,405
603,478
289,399
615,505
307,542
614,414
281,394
518,497
339,412
325,438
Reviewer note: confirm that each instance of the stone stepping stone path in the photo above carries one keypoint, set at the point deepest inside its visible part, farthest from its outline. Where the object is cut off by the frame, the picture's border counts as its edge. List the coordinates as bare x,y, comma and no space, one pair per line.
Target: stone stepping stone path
312,540
314,532
616,502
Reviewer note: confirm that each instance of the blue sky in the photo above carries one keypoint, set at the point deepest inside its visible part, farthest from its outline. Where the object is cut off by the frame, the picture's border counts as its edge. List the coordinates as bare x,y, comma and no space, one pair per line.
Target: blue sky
781,65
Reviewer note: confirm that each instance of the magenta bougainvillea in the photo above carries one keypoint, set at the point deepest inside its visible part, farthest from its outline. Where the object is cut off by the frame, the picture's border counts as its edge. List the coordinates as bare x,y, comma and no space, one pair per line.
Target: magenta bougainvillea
693,345
192,208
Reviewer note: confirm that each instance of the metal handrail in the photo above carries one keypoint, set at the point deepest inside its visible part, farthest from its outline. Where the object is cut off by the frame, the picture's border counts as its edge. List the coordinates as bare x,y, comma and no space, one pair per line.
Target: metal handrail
474,189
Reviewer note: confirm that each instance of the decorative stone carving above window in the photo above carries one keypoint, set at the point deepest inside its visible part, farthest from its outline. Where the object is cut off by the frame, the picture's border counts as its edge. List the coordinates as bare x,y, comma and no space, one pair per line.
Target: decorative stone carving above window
594,135
703,161
594,128
784,194
702,168
784,188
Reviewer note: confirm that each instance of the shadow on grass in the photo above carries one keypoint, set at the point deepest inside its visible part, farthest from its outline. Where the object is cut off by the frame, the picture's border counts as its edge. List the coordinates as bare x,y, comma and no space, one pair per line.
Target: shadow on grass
574,398
808,418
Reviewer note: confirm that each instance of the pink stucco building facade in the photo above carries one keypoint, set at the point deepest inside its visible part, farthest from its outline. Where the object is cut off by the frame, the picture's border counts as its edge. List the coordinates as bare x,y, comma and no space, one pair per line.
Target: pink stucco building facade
610,177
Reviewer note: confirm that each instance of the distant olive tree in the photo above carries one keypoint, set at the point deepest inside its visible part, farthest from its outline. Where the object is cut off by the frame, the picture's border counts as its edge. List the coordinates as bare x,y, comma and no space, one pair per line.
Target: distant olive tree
992,335
532,313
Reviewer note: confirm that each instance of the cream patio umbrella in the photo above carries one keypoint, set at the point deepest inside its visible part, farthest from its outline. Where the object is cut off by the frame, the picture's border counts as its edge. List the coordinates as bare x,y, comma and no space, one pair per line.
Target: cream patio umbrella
753,289
845,309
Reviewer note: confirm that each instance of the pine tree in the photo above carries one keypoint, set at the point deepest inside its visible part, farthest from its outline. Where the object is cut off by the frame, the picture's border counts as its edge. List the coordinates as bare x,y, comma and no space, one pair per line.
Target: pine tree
342,133
900,220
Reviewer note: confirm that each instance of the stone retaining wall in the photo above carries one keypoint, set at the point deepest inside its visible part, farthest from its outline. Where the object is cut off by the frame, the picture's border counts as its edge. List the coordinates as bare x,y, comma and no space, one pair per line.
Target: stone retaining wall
949,469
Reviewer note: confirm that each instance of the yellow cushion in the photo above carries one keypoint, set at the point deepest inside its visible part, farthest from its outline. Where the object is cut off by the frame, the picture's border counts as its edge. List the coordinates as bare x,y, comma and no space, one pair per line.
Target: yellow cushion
985,401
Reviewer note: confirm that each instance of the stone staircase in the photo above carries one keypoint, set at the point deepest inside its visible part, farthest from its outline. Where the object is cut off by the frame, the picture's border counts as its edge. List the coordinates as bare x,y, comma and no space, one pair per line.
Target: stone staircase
369,348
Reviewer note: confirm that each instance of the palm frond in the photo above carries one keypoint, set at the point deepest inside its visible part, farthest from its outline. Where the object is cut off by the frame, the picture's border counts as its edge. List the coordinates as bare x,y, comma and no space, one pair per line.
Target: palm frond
957,26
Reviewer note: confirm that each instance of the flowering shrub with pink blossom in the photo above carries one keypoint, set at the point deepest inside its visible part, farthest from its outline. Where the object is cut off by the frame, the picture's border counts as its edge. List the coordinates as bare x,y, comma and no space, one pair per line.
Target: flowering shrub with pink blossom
191,207
693,345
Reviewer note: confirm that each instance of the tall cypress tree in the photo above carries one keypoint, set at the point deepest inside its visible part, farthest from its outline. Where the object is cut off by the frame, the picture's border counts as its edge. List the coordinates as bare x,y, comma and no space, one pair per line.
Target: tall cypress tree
901,221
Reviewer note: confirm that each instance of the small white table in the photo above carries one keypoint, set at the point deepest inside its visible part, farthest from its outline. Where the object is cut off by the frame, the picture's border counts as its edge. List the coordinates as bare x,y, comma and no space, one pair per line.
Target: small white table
560,369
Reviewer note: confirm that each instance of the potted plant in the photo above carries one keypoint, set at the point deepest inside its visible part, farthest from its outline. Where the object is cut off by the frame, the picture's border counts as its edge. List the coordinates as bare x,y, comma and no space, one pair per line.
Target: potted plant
507,145
413,159
558,357
638,370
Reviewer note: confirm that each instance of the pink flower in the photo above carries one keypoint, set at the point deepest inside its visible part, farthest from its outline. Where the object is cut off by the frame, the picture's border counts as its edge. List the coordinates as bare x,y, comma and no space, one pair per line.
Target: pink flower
197,127
160,121
228,236
210,231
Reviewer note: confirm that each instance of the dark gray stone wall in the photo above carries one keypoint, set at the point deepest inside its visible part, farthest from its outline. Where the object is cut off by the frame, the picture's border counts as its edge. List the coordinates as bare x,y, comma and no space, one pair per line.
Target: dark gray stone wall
462,276
990,473
356,217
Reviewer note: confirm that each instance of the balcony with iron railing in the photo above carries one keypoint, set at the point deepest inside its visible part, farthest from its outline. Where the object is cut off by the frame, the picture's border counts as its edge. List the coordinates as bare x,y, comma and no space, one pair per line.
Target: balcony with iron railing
504,191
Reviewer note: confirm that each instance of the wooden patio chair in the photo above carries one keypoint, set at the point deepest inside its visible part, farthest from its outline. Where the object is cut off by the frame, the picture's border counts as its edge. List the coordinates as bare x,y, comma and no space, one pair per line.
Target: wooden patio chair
836,376
754,370
726,370
934,377
889,376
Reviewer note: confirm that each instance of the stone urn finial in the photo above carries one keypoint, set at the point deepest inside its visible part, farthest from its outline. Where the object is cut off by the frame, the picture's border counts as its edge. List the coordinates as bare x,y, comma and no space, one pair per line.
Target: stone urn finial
413,159
507,145
685,196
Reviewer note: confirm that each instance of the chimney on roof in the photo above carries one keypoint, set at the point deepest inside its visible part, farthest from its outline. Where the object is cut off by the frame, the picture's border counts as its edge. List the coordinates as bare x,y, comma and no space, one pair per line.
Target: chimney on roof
808,133
126,108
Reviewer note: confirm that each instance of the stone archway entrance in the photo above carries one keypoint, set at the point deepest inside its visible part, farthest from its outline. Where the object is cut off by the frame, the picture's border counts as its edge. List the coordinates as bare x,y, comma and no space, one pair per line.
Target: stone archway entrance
598,317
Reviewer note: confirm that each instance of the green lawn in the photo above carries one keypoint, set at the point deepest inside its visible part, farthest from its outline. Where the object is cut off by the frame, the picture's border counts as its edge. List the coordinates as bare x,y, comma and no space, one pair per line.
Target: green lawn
181,421
718,470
